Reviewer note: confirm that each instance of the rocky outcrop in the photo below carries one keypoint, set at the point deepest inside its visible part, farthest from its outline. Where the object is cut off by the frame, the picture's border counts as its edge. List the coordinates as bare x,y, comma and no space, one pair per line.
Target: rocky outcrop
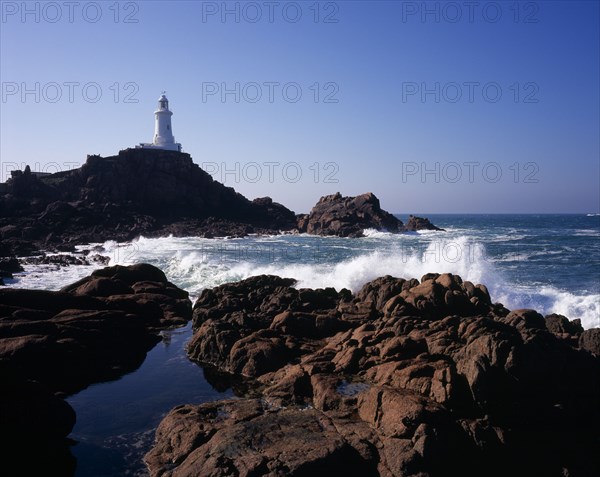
96,329
419,223
8,266
350,216
404,378
589,340
58,342
154,193
138,192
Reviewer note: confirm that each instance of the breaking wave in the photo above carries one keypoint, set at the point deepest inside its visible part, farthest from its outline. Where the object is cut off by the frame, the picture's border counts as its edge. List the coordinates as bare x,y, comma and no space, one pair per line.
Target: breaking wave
314,262
195,264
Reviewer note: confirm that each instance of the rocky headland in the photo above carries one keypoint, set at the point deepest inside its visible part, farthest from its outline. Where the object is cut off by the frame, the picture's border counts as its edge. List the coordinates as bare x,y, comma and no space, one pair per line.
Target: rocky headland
157,193
137,192
55,343
403,378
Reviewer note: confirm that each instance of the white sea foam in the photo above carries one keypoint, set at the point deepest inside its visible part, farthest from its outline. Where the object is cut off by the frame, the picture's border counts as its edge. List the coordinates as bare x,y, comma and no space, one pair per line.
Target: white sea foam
49,277
195,264
547,299
518,255
586,233
374,233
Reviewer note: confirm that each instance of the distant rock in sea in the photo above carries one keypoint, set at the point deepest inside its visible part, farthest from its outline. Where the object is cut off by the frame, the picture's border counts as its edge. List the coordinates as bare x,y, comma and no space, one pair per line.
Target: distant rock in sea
350,216
419,223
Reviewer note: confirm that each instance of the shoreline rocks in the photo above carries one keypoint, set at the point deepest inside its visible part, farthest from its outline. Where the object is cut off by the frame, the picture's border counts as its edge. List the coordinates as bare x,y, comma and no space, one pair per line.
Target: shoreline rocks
8,266
403,378
93,330
54,343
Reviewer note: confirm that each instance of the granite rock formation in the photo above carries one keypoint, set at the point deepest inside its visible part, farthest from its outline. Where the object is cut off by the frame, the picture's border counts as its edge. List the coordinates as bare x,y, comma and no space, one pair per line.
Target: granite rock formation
350,216
403,378
138,192
54,343
93,330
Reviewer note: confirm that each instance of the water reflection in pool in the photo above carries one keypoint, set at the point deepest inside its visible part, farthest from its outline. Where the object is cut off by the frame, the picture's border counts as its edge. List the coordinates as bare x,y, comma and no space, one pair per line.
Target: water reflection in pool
116,420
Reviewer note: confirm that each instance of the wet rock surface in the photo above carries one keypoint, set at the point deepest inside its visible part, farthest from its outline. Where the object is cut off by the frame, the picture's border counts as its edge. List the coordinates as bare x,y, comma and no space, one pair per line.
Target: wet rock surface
54,343
403,378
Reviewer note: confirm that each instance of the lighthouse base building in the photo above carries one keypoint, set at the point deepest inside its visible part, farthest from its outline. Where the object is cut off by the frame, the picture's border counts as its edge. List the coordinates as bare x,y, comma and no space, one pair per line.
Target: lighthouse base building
163,131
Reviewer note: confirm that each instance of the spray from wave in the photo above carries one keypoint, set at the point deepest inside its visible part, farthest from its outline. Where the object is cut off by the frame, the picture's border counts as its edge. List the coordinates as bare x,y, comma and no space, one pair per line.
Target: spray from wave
196,264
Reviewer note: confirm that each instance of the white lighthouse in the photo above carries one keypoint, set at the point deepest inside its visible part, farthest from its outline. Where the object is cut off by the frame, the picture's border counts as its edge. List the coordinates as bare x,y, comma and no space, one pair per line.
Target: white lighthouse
163,131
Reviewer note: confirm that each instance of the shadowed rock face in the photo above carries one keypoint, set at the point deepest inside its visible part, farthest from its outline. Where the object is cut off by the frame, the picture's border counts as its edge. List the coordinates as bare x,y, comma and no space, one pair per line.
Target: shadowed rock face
93,330
156,193
139,191
61,342
404,378
349,216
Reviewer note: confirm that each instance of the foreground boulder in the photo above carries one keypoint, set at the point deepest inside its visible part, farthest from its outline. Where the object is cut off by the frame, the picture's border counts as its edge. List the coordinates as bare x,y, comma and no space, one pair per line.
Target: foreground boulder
54,343
350,216
96,329
404,378
248,439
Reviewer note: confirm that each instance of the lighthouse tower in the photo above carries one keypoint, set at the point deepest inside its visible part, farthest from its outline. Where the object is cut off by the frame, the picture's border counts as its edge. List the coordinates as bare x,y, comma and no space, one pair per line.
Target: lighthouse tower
163,131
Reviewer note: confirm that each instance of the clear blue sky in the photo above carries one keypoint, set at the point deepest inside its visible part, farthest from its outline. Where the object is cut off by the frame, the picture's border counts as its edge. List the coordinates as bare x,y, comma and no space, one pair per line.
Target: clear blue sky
375,58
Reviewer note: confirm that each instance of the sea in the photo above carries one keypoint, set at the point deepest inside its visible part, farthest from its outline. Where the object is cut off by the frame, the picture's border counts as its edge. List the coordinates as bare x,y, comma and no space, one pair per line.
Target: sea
550,263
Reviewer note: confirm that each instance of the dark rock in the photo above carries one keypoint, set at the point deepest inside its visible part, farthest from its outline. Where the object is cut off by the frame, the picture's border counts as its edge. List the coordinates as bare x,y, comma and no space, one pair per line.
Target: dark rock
404,378
526,319
302,222
419,223
8,266
93,330
350,216
156,193
60,260
28,410
132,274
103,287
561,325
590,341
139,191
34,422
247,437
